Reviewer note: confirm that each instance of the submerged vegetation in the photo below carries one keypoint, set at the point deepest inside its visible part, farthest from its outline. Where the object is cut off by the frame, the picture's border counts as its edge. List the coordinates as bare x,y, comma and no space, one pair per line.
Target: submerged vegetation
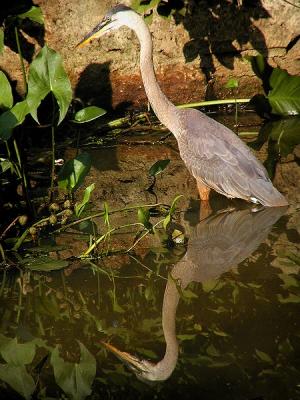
57,330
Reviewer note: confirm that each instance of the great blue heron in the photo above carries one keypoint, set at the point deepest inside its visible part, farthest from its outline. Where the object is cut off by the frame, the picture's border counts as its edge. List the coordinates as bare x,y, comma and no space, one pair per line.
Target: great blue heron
214,155
217,244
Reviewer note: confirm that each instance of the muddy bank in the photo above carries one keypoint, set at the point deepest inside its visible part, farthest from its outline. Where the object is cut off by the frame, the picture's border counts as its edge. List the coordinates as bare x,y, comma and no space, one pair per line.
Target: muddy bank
207,45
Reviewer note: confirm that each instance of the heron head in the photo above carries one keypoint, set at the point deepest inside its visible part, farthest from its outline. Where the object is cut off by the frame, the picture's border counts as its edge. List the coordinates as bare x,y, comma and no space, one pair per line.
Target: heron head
114,19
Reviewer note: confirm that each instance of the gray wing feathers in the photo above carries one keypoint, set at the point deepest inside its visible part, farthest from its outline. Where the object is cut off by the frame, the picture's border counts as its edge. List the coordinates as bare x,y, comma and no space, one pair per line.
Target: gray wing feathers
218,158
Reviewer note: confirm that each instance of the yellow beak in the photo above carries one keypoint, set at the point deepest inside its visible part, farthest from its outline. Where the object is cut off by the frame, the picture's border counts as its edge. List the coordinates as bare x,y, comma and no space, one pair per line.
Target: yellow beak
97,32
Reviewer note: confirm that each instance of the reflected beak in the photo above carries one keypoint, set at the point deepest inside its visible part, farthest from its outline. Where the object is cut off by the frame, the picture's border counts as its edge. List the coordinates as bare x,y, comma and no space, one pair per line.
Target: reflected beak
97,32
131,361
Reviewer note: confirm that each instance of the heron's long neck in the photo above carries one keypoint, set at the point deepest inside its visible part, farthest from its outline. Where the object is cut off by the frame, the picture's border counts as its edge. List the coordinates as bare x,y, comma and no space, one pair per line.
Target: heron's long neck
163,108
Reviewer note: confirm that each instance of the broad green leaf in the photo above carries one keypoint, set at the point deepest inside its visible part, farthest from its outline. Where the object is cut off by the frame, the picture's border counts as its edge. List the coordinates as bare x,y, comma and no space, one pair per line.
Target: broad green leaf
1,40
12,118
292,298
74,171
34,14
166,221
286,133
75,379
15,353
47,74
284,96
261,69
45,264
232,83
158,167
88,114
79,207
184,337
6,97
18,379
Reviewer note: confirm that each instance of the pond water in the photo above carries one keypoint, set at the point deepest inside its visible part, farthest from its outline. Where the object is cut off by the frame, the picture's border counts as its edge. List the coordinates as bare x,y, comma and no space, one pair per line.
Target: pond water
212,315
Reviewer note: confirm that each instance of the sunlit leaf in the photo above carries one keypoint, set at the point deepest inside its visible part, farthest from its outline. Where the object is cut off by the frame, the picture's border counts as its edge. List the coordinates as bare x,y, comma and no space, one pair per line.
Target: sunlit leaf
47,74
18,379
232,83
75,379
6,97
143,6
184,337
284,95
5,165
291,298
73,173
34,14
12,118
79,207
88,114
264,356
158,167
144,216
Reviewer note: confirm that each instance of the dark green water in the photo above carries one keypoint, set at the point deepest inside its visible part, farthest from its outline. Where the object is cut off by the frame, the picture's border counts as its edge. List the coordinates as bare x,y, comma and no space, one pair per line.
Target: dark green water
214,318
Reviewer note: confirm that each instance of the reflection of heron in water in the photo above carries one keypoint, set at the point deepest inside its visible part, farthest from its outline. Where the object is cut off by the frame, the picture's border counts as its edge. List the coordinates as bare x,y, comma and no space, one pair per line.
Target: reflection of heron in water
215,156
216,245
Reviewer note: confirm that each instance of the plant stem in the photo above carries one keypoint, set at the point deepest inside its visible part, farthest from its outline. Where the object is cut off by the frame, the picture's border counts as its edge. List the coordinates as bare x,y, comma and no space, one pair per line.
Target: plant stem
23,177
213,103
21,60
53,150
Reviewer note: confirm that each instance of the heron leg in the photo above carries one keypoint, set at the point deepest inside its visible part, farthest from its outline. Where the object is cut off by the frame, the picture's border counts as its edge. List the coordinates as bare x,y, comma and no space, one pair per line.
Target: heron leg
203,191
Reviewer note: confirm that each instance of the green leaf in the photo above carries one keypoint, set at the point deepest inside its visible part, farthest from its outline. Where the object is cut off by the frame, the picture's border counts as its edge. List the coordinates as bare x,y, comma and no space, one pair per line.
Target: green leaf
144,216
174,203
158,167
166,221
18,379
88,114
34,14
47,74
142,6
45,264
261,69
284,96
79,207
6,97
75,379
16,353
73,173
5,165
232,83
1,40
12,118
264,356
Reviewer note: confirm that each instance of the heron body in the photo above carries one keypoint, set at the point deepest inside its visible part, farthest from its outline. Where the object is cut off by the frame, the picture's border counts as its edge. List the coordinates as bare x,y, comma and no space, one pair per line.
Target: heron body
215,156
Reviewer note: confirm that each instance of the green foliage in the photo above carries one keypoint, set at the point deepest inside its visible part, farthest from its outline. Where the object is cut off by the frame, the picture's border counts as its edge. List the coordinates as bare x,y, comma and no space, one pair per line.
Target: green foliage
14,372
88,114
47,75
75,379
44,263
172,210
79,207
158,167
6,97
282,90
1,40
165,9
34,14
12,118
73,173
232,83
144,217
